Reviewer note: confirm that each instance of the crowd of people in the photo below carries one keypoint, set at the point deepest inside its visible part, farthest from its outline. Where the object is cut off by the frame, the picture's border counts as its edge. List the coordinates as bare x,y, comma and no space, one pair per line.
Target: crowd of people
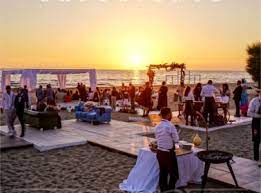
200,98
208,96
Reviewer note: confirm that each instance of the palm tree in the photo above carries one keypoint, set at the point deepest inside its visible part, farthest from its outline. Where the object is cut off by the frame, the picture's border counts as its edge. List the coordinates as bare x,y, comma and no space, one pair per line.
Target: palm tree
254,62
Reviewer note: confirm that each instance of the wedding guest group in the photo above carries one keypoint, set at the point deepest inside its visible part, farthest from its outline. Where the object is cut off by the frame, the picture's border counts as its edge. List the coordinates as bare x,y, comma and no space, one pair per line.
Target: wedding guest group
12,106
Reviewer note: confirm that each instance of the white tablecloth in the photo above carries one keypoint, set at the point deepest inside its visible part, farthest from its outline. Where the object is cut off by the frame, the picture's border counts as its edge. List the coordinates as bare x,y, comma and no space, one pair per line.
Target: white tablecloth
144,177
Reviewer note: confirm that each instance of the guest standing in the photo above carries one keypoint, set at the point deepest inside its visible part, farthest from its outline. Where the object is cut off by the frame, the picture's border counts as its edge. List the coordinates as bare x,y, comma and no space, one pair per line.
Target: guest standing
147,99
68,97
244,100
132,93
114,95
237,97
208,93
180,91
39,94
167,135
96,95
189,110
197,91
254,111
60,95
225,95
26,96
125,95
20,103
49,94
9,110
76,95
163,96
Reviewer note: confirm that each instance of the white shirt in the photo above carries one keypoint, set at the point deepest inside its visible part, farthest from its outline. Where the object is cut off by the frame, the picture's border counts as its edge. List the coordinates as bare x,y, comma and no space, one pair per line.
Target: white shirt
166,135
208,91
8,101
190,97
254,106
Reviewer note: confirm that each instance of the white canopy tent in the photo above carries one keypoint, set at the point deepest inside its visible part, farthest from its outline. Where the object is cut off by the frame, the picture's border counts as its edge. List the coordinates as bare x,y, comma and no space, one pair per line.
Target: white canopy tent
29,76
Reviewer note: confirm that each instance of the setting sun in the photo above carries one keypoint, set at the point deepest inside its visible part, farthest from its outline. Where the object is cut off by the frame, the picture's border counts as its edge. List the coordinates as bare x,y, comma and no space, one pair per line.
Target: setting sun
136,61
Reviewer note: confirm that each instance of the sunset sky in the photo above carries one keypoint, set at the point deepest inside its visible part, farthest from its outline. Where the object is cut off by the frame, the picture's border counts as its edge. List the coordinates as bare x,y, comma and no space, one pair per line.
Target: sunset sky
127,34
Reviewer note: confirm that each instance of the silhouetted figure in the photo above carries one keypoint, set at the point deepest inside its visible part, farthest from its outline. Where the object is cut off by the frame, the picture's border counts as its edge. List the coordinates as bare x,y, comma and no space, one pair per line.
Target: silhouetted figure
237,97
163,96
197,91
132,93
189,109
20,103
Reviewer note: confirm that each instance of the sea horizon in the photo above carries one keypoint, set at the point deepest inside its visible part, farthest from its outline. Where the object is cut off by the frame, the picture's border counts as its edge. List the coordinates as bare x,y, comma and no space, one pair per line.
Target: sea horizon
115,77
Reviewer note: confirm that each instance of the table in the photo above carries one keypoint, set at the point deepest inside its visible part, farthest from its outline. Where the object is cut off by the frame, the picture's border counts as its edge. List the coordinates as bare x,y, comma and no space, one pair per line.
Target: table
144,176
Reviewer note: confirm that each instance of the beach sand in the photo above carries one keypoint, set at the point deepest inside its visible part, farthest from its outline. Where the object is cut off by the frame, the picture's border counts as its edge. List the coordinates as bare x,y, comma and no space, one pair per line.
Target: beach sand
80,169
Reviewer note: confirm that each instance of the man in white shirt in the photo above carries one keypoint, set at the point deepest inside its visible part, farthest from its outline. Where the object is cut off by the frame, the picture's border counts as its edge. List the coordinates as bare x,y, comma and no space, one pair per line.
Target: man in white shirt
9,110
167,136
208,93
254,111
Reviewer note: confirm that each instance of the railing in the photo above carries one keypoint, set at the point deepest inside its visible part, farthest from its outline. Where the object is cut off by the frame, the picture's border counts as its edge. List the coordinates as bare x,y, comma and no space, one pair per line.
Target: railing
189,78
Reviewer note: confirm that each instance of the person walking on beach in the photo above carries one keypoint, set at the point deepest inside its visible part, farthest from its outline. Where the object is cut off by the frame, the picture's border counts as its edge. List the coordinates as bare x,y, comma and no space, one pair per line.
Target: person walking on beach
208,93
9,110
163,96
254,111
237,97
167,135
20,103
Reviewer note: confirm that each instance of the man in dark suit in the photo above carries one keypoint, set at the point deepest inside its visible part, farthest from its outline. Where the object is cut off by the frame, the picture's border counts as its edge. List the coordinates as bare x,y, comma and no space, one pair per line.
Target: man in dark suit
237,97
20,102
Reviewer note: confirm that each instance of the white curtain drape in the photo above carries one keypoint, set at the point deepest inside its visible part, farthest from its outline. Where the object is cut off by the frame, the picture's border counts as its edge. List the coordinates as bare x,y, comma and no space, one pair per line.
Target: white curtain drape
93,79
6,80
61,80
28,78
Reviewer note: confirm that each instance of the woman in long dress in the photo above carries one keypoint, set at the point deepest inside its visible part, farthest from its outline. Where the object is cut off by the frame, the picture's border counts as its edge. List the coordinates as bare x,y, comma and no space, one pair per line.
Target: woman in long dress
163,96
244,101
147,99
189,110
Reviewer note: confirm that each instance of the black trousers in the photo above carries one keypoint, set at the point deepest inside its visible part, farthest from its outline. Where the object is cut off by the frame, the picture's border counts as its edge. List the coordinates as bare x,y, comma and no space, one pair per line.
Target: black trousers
20,115
256,137
209,109
237,104
256,150
168,168
189,111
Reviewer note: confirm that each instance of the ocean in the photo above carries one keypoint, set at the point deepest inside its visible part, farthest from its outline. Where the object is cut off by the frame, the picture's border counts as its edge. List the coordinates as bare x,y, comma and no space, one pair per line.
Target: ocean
116,77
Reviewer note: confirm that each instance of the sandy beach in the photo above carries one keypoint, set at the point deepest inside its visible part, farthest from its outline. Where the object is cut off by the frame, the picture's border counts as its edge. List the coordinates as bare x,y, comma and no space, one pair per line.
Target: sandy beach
81,169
